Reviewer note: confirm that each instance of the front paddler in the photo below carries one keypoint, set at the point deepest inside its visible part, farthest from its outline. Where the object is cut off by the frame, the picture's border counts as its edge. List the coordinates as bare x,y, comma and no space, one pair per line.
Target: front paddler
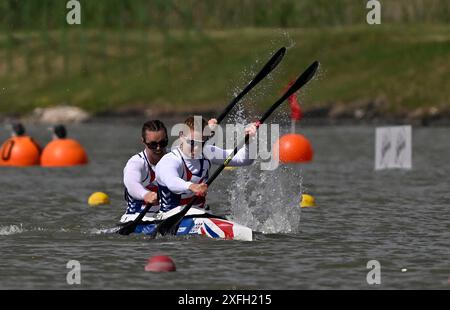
183,172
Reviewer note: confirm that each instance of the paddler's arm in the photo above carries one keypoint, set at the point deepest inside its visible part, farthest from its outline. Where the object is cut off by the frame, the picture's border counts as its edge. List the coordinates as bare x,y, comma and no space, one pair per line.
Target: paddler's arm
132,177
242,158
168,171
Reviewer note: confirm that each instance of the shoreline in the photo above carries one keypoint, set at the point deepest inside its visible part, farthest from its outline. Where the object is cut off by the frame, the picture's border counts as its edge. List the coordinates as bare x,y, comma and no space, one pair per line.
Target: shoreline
339,114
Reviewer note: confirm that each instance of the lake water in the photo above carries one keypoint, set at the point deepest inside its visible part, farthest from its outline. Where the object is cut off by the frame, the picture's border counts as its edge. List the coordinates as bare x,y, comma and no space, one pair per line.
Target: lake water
399,218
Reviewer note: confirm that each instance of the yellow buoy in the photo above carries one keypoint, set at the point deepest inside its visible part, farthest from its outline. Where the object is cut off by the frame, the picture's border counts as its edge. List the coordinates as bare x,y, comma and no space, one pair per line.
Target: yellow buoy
307,201
98,199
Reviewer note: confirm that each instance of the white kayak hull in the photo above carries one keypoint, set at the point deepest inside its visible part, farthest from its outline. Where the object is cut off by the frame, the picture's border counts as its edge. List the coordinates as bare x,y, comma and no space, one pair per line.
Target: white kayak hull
199,222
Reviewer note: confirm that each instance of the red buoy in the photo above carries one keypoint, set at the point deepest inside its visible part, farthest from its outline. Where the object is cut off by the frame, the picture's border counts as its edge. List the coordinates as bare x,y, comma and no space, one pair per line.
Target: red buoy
19,152
63,153
293,148
160,263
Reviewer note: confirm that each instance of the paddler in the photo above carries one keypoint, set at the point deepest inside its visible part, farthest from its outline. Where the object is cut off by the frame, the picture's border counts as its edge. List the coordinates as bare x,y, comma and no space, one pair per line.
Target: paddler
183,172
59,132
139,175
20,149
17,130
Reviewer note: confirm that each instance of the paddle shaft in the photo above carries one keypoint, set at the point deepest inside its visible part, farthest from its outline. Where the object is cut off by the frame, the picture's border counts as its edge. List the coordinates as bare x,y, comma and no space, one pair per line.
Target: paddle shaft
170,225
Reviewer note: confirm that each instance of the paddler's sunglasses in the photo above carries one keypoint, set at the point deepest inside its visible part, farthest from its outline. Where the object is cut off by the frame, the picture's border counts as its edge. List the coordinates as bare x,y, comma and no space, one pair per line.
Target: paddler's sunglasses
193,143
153,145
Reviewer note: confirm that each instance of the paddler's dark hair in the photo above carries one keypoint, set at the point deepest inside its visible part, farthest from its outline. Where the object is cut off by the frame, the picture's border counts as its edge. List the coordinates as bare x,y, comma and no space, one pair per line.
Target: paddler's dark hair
153,125
196,122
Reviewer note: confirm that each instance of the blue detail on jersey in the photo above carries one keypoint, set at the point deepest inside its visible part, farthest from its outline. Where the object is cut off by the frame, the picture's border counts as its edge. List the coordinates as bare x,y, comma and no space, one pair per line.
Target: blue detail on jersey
168,199
200,171
133,205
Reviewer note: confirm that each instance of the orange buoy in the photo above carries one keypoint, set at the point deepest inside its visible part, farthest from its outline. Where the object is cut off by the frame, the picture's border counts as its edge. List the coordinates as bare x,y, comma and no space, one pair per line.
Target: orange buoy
63,153
20,151
293,148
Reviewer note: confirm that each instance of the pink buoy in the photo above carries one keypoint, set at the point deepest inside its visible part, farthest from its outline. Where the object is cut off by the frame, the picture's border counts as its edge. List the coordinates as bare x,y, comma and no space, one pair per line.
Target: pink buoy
160,263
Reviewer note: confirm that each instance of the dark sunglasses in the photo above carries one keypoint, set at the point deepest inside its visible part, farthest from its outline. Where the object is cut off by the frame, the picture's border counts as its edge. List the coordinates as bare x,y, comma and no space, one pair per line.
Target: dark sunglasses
193,142
154,144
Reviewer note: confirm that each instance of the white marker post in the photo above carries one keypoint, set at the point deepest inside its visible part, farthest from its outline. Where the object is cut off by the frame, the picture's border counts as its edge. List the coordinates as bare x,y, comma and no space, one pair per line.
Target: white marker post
393,147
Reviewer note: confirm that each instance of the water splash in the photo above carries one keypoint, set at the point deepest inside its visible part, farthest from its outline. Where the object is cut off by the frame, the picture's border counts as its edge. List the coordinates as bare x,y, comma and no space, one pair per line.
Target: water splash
101,231
11,230
263,92
288,41
17,229
267,201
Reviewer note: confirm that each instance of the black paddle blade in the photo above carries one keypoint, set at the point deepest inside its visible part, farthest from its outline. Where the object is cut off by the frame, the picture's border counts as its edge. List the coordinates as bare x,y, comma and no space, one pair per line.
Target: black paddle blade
130,227
270,65
170,225
304,78
127,229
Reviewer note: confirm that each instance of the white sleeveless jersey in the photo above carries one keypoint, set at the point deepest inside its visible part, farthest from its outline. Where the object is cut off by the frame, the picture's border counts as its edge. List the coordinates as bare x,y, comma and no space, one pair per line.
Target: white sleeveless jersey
139,178
191,174
175,172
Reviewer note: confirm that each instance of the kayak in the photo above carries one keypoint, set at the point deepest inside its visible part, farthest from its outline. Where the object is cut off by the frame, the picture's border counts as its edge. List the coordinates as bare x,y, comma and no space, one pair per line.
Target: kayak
199,222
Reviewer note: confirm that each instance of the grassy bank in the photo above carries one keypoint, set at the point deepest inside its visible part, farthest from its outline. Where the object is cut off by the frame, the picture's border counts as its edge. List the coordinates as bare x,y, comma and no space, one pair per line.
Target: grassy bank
101,71
217,14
